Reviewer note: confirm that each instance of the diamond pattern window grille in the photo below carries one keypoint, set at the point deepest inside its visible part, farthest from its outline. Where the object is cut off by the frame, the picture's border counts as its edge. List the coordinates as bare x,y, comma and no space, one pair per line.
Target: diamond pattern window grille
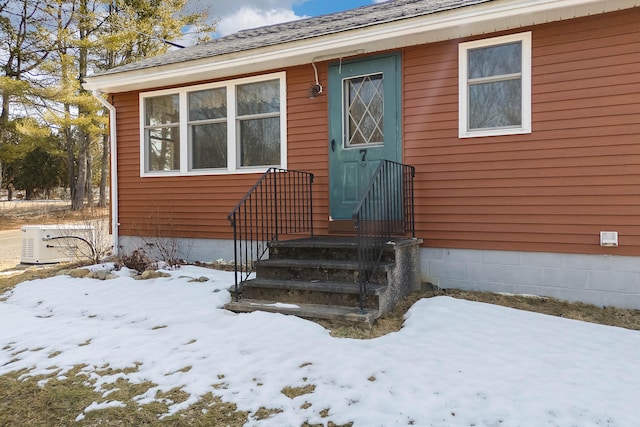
365,110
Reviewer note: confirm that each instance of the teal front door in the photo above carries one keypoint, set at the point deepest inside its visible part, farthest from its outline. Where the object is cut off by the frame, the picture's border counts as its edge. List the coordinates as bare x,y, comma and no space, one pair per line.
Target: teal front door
364,127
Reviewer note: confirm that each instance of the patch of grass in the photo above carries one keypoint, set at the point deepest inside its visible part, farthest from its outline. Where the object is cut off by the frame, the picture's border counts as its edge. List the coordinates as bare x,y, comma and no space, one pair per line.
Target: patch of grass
108,370
264,413
210,410
611,316
329,424
57,403
293,392
61,400
183,370
389,322
220,386
33,273
54,354
123,390
175,395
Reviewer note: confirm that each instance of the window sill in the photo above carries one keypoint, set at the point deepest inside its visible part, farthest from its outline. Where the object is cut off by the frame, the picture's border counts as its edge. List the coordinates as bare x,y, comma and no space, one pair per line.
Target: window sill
493,132
208,172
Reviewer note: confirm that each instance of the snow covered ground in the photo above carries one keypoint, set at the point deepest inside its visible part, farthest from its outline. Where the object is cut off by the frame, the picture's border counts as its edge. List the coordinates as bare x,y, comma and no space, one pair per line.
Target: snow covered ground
454,363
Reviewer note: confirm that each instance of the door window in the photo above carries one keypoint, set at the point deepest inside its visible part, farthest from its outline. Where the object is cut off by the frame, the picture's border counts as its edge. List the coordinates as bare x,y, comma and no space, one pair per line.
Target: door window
364,110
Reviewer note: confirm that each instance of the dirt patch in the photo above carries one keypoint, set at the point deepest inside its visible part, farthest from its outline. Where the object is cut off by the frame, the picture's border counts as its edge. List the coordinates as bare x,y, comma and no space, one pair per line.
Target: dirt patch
21,209
13,215
610,316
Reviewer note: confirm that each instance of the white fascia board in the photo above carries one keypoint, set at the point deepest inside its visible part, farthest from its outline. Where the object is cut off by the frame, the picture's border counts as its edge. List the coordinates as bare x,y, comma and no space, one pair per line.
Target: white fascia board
483,18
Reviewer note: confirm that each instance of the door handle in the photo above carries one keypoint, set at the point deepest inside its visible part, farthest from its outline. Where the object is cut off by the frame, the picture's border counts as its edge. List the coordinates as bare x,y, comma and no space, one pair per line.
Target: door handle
333,145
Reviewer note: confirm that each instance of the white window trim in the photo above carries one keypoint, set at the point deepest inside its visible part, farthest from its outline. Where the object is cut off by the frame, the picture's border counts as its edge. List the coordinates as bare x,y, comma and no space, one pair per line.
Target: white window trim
463,103
345,116
232,140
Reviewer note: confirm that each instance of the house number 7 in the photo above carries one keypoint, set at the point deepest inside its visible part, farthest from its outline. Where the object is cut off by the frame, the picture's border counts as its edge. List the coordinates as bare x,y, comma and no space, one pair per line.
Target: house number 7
364,155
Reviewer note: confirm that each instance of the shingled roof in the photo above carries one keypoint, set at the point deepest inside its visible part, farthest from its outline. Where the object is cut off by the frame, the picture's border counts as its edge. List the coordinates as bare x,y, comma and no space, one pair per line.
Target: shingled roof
271,35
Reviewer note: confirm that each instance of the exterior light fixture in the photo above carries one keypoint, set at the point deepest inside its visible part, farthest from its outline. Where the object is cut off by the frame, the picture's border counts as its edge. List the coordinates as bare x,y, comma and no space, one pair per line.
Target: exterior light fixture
316,89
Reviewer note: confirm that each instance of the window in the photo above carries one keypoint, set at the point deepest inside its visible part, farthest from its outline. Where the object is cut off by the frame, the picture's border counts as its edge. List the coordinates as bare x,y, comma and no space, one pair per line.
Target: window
259,123
233,126
364,110
495,86
161,132
208,128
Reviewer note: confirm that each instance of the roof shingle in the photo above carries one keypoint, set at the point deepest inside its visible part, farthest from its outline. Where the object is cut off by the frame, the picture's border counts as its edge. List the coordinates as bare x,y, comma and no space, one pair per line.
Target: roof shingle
271,35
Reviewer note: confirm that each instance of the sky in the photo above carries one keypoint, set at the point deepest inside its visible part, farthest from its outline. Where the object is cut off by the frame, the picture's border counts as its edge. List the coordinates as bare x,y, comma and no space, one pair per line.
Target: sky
453,363
234,16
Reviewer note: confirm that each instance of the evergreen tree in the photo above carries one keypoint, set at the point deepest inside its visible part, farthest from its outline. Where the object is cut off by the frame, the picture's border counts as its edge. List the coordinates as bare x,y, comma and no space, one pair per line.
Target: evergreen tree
33,158
23,48
40,170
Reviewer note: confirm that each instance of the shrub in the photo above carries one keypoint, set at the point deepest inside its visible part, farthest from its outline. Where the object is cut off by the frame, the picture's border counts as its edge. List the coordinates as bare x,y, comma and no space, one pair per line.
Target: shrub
137,260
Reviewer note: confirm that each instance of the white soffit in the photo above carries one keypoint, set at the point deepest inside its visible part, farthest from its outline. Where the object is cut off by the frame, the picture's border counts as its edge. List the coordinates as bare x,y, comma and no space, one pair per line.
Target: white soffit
457,23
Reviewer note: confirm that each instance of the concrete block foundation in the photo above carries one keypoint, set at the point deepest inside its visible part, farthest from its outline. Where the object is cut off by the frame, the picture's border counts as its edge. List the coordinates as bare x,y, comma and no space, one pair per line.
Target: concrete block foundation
602,280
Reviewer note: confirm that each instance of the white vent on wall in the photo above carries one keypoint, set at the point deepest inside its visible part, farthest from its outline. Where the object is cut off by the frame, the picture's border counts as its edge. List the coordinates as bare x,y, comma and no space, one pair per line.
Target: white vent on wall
608,238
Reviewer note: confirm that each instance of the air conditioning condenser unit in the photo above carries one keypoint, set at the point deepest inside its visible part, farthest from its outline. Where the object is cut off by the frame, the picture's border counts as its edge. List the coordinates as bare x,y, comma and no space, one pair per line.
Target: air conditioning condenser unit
49,244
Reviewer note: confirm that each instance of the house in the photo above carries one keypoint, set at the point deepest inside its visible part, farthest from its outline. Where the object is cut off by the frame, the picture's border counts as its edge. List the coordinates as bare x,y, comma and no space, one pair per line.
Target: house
521,119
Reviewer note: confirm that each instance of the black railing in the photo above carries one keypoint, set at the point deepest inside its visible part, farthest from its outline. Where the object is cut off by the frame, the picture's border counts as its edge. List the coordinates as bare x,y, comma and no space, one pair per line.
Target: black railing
385,210
279,203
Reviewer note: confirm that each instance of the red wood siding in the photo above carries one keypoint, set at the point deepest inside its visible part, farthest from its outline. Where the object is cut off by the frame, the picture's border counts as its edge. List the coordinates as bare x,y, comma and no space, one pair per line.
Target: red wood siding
308,135
182,206
552,190
197,206
555,189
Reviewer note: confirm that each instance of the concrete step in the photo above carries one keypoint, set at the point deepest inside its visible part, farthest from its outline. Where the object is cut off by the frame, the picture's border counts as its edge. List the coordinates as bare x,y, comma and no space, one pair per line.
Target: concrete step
309,269
307,311
345,294
317,278
328,248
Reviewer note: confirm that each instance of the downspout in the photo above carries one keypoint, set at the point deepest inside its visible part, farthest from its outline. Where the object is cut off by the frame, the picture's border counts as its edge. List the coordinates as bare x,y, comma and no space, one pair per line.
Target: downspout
114,168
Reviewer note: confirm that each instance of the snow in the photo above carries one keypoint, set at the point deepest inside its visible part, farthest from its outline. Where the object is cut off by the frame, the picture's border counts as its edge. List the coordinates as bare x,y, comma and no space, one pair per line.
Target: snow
104,405
454,362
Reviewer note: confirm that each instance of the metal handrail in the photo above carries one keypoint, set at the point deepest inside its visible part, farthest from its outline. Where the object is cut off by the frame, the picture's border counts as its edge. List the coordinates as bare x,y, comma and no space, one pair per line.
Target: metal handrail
279,203
385,210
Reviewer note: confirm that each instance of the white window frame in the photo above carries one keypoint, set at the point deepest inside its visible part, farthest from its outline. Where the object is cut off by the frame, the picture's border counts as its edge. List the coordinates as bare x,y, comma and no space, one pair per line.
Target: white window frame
463,86
345,114
233,166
